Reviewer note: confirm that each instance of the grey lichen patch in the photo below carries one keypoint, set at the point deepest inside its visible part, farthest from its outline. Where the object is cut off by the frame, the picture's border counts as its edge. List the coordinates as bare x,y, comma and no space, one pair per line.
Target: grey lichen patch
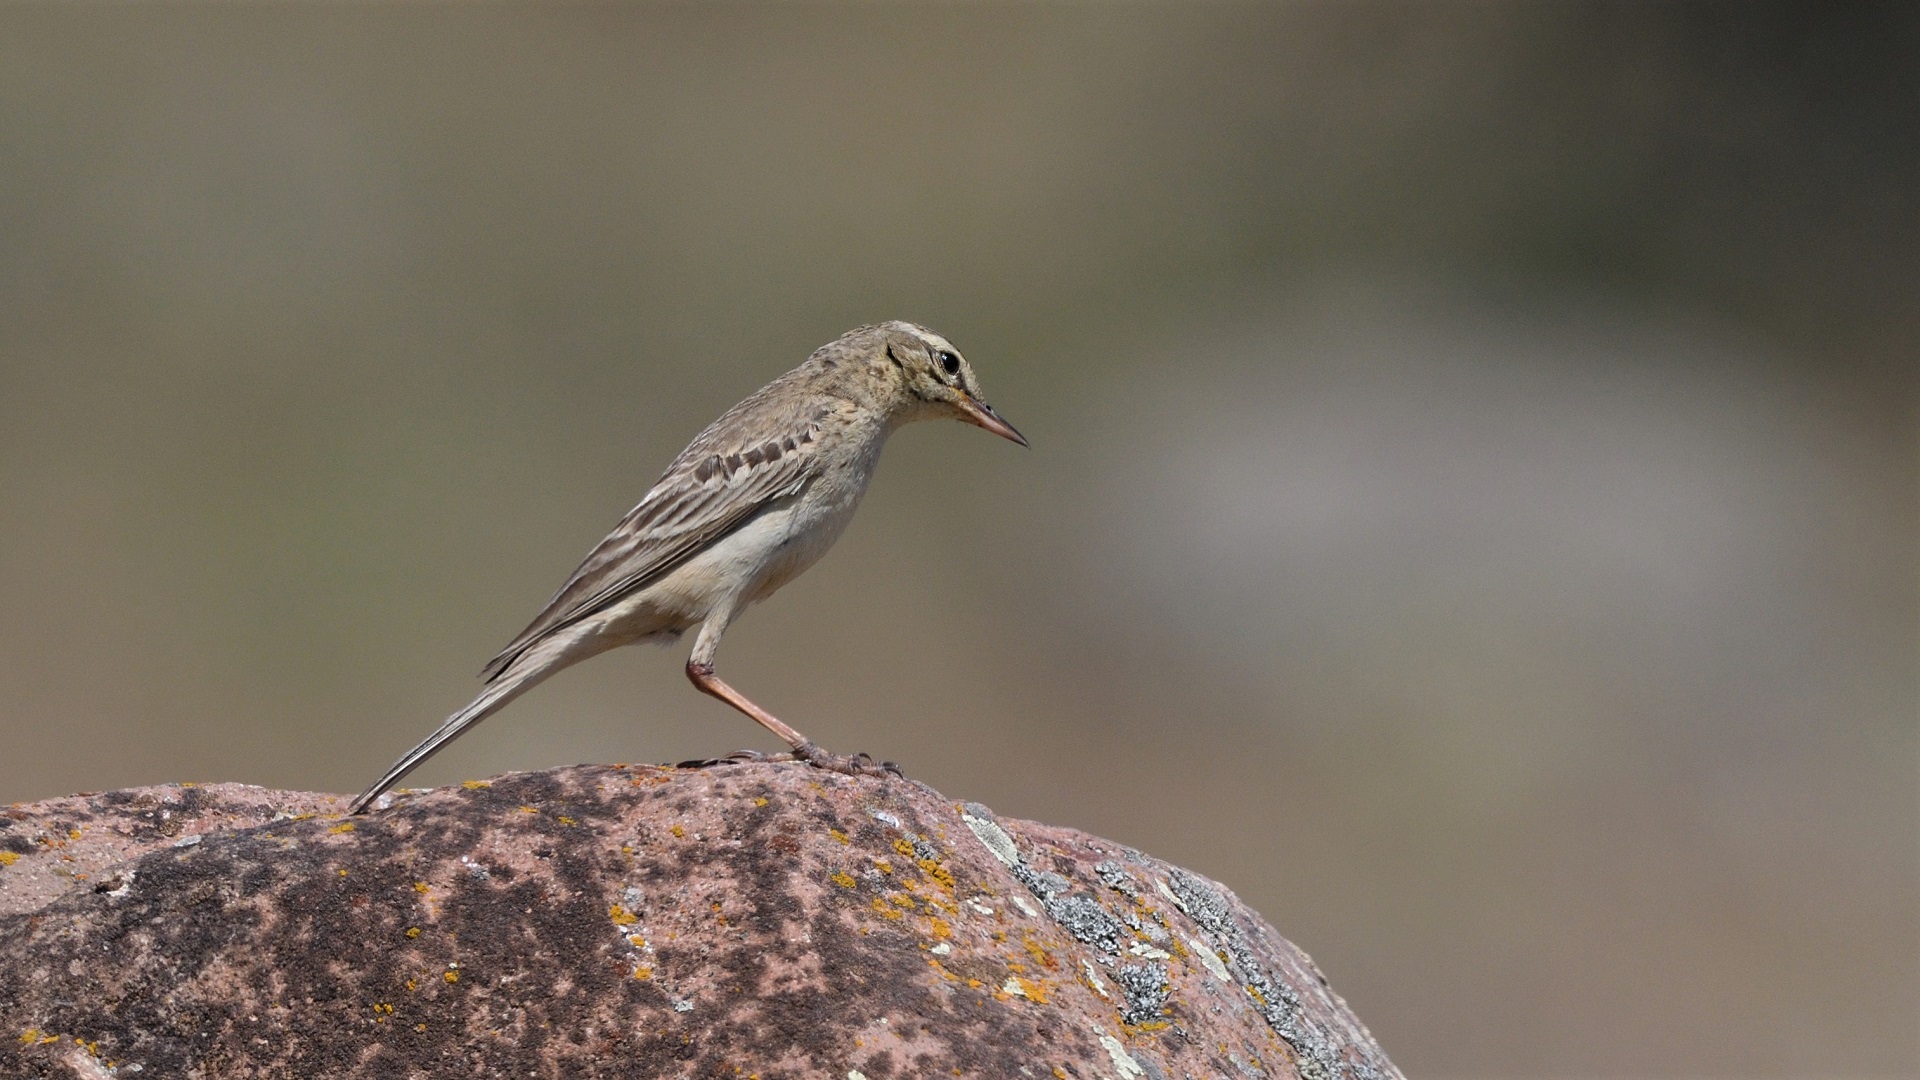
1080,914
1145,988
1115,877
1277,1003
1086,920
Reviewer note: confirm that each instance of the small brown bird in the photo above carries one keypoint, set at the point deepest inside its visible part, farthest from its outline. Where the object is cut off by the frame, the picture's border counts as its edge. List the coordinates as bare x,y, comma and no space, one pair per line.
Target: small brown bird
755,499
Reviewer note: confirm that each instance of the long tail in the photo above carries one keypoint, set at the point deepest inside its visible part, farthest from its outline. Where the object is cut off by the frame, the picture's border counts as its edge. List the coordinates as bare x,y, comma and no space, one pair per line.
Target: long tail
505,688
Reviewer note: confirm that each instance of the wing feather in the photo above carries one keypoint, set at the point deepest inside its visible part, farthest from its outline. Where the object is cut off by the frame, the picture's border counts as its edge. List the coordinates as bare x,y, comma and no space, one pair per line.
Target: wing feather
708,492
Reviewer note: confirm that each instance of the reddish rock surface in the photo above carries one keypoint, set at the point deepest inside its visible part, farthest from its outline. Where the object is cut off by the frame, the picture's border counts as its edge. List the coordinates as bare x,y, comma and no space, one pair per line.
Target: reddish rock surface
756,920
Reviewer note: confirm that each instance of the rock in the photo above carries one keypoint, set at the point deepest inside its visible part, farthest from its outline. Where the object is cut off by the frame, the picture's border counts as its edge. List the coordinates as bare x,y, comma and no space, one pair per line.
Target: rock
764,920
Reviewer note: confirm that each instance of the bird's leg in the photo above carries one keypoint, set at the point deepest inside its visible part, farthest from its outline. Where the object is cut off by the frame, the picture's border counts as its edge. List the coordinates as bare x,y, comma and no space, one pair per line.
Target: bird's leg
804,749
700,671
709,683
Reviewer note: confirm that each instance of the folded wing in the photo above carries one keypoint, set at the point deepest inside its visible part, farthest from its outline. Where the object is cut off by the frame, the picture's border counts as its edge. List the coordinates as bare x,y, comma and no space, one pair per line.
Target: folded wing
708,492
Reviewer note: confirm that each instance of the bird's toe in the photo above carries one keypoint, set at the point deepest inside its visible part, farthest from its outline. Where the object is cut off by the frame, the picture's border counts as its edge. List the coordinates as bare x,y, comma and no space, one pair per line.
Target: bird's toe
738,757
845,764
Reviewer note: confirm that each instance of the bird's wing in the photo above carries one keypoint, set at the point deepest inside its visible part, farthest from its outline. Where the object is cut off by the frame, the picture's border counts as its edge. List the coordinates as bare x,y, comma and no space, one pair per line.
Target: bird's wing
713,488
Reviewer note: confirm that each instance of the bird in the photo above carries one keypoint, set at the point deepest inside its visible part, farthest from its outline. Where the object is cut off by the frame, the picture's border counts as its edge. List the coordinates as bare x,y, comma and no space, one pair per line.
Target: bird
754,500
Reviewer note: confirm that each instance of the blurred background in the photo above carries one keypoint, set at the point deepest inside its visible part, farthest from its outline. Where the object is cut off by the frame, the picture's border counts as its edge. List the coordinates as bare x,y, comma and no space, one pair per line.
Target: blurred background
1471,512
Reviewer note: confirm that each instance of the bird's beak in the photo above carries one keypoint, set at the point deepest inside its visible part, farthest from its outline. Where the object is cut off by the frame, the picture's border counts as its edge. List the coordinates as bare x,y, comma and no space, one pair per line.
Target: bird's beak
980,414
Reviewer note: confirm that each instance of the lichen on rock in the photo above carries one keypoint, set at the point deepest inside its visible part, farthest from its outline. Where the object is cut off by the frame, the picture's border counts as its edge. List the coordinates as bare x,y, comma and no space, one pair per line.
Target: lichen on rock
755,919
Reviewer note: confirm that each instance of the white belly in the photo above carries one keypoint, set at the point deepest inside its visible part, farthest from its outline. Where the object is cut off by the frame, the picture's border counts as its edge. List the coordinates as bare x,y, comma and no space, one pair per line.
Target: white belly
773,548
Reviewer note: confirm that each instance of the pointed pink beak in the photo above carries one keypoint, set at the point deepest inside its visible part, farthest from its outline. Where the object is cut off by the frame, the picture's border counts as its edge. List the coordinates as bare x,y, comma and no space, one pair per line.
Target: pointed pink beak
980,414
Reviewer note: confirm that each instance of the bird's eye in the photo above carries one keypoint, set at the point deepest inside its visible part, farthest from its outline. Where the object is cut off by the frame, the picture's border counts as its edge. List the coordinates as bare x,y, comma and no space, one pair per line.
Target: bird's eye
950,362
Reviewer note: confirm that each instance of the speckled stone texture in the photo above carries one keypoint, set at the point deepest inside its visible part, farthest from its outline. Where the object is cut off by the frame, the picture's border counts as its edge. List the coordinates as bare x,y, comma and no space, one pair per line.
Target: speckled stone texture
755,920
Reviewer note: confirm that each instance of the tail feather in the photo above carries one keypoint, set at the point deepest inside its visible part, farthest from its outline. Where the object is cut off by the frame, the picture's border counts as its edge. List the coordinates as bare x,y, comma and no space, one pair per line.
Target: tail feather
498,693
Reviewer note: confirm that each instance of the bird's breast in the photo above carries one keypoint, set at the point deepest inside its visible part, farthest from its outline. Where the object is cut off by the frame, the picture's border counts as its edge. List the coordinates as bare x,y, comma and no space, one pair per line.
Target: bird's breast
801,533
777,544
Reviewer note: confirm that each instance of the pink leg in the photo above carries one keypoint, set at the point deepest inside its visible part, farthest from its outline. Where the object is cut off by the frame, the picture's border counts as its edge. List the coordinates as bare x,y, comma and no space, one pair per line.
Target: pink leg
804,749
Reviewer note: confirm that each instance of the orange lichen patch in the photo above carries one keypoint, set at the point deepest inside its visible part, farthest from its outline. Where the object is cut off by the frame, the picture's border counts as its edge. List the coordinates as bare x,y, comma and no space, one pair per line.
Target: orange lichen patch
677,831
902,900
838,836
759,800
937,872
621,916
975,983
345,826
637,941
421,886
412,985
938,927
1034,949
885,909
413,931
643,972
8,858
1033,990
1060,1073
1257,995
343,871
883,866
904,847
419,1027
843,879
451,976
944,973
529,809
382,1009
1145,1027
474,785
565,820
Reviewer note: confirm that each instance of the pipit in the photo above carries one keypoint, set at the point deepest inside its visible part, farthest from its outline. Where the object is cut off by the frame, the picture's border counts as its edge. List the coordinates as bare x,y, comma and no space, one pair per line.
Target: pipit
755,499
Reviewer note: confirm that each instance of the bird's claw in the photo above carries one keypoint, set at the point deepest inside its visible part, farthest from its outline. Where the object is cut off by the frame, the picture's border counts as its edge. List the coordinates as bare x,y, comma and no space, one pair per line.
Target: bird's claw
738,757
809,754
849,765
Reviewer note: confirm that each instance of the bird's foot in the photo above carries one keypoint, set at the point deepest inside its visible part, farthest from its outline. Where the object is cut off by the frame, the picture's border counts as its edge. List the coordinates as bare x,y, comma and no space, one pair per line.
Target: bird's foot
850,765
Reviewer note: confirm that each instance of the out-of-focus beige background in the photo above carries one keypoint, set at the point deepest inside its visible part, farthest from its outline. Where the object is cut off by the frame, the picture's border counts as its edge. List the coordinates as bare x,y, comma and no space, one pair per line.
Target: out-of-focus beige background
1472,504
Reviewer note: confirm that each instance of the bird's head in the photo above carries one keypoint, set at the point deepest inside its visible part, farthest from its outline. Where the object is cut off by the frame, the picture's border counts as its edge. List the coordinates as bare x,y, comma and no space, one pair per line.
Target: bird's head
919,375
